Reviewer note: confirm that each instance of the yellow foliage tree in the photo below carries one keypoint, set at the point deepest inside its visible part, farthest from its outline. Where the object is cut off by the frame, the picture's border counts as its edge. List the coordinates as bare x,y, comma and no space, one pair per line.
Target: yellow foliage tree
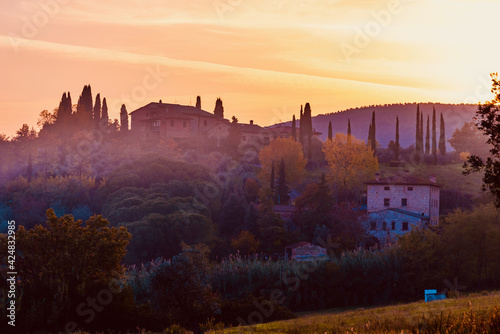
350,160
288,150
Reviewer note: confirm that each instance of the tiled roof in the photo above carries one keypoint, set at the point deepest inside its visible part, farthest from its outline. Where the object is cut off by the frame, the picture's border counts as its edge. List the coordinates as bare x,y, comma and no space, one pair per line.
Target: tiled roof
176,108
404,212
404,179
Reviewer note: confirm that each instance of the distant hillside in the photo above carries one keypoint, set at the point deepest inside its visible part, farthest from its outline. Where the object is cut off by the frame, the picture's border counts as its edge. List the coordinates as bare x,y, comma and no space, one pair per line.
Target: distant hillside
455,116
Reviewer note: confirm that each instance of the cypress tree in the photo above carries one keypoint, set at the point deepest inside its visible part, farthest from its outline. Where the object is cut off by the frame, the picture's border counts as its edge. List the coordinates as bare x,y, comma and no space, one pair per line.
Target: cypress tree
198,102
84,108
349,128
373,139
97,109
434,139
123,119
308,125
294,129
421,133
272,177
282,188
63,112
396,150
370,131
219,108
301,127
417,136
104,114
442,137
427,138
330,131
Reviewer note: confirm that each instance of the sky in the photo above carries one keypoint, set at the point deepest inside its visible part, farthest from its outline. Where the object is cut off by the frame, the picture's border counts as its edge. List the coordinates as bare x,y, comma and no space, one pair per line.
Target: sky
264,58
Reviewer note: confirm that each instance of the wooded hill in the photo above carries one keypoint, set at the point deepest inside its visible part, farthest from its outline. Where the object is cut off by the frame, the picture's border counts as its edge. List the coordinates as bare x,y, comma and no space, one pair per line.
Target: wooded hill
455,115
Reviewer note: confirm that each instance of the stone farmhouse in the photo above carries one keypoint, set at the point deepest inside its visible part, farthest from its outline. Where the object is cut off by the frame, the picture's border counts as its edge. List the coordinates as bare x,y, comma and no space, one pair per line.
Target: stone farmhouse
399,203
158,120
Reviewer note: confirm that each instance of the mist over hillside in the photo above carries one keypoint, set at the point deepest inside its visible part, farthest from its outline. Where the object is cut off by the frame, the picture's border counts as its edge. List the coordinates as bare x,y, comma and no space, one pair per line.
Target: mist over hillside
455,115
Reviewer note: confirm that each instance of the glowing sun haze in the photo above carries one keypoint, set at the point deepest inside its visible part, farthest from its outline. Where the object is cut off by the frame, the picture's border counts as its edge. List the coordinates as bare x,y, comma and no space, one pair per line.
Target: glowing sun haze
264,58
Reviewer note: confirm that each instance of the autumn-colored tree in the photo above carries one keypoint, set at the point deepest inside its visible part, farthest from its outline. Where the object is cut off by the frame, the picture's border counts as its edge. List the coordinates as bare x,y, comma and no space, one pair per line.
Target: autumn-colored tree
350,163
288,150
45,118
251,189
282,189
245,243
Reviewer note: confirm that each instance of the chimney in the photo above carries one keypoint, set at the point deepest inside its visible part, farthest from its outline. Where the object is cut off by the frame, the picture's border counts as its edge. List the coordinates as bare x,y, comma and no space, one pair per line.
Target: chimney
432,178
377,177
251,122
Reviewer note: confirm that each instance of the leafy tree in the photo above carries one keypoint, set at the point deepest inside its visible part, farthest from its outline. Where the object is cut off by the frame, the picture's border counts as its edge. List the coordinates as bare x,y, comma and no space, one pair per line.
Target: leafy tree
350,163
232,216
61,264
251,189
272,178
470,139
294,129
123,119
314,207
288,150
181,290
46,118
434,135
427,138
330,131
489,123
245,243
25,133
282,189
442,137
198,102
219,108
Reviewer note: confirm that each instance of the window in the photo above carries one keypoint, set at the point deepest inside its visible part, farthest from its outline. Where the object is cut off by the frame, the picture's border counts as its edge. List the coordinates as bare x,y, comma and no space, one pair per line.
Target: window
404,202
387,202
387,188
172,123
205,123
373,226
384,226
410,188
393,226
156,124
405,226
184,124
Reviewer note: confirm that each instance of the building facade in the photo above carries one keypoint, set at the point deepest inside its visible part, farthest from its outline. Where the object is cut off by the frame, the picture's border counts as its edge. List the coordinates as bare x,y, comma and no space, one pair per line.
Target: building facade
397,204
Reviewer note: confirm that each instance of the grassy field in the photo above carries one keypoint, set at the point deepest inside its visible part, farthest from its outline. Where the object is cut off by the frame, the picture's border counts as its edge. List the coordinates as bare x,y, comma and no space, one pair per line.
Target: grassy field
468,314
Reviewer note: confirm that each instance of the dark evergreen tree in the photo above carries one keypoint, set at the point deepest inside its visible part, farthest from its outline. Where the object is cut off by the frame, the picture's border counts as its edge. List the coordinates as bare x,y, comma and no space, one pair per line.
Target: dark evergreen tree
272,180
348,128
442,137
219,108
370,136
97,109
104,114
330,131
308,129
294,129
198,102
374,138
396,148
422,133
427,138
123,119
64,109
417,136
301,126
434,136
84,108
282,189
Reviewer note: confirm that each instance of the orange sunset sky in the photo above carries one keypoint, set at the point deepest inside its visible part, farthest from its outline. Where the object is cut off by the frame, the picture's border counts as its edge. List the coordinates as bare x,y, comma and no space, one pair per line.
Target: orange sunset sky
264,58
